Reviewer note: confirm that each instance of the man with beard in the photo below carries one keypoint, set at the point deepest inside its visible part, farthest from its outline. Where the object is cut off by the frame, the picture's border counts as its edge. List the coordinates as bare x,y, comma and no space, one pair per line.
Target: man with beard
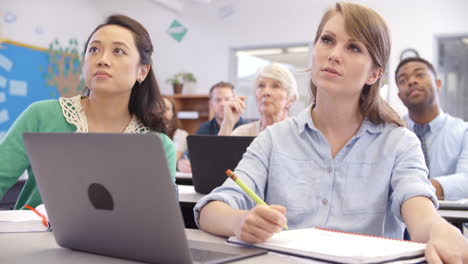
444,138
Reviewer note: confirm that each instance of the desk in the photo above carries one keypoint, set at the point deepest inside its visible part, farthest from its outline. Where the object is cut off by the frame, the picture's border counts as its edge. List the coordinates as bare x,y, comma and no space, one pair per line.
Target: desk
41,248
188,197
9,199
456,217
183,178
187,194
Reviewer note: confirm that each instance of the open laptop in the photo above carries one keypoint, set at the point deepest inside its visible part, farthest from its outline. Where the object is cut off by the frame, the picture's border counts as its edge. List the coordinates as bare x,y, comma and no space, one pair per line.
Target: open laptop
112,194
211,156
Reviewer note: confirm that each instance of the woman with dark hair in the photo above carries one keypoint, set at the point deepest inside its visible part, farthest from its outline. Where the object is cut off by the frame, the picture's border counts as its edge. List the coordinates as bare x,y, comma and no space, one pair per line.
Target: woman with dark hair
345,163
178,136
121,96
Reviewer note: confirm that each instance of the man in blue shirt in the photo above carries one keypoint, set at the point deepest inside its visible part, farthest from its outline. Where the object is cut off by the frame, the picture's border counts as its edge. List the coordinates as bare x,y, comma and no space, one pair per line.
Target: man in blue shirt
444,139
220,95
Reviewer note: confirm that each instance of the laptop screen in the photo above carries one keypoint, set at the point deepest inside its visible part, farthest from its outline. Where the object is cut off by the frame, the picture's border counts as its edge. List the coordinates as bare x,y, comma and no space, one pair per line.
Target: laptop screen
211,156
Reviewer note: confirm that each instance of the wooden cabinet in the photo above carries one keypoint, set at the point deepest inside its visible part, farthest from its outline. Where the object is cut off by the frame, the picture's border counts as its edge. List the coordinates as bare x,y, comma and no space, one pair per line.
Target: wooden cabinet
193,110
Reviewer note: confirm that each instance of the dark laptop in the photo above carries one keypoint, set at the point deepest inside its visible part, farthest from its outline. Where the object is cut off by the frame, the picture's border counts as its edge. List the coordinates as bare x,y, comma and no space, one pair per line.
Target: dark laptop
211,156
111,194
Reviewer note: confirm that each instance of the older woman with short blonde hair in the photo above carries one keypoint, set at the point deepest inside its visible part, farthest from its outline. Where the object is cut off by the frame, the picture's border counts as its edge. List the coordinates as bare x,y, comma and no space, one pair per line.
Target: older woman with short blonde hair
275,93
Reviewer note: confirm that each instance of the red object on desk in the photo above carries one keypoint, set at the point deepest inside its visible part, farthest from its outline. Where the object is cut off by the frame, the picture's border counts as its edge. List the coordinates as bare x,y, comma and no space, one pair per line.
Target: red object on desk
44,218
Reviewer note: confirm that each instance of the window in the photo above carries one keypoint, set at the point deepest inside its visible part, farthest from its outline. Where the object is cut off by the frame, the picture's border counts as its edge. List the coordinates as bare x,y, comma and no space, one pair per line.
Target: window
246,61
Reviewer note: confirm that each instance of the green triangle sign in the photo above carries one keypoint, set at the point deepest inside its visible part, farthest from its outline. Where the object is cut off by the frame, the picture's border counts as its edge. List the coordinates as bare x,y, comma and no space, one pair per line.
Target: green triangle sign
177,31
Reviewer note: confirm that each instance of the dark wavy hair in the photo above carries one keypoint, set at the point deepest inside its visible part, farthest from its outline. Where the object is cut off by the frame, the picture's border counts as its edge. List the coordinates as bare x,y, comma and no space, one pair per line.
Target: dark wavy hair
145,98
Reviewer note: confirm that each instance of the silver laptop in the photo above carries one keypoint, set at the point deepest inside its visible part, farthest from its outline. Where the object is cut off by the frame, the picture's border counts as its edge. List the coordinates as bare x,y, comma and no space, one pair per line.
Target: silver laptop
111,194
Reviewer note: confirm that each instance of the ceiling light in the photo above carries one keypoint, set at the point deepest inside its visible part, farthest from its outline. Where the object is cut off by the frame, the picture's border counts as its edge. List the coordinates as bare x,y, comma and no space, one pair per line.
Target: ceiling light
173,5
256,52
300,49
202,1
465,41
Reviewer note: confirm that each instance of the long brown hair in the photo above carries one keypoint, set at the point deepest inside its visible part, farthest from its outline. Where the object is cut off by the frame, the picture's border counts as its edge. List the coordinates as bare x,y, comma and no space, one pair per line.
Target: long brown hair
145,98
368,27
174,123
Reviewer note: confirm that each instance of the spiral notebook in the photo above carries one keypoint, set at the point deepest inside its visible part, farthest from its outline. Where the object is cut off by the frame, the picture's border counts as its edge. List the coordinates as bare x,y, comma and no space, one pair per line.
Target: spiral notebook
341,247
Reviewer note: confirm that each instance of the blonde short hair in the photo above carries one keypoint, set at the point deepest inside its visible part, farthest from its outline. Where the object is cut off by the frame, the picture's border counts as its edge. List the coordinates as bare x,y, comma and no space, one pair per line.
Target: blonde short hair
280,74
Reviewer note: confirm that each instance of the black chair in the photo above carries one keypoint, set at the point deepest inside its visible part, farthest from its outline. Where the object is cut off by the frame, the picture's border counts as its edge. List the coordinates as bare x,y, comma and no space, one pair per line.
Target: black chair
9,199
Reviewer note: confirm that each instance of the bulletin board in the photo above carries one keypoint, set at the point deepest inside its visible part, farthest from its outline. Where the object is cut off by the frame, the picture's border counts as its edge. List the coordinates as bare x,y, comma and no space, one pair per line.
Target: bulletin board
29,74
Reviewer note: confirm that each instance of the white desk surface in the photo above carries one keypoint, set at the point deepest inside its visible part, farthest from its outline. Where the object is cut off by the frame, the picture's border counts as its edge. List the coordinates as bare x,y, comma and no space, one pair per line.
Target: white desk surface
461,215
187,194
41,248
183,175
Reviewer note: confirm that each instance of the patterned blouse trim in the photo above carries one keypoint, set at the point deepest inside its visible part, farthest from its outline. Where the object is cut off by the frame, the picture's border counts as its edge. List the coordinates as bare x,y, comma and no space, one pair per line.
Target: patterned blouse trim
72,110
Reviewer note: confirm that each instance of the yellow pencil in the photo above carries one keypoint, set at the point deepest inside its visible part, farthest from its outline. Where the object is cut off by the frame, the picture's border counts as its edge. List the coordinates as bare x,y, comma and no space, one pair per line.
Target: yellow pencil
246,189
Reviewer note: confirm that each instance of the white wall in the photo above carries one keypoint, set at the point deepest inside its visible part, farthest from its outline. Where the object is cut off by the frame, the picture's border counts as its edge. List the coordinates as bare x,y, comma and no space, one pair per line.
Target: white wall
205,49
413,23
76,19
57,19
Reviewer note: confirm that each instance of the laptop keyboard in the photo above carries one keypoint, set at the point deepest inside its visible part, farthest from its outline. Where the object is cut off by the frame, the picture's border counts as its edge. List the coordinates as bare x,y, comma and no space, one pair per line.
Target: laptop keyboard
207,255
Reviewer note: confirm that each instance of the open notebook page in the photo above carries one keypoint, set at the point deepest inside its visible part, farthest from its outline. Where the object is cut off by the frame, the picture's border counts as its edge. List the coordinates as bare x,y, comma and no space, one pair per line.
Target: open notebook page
339,246
13,221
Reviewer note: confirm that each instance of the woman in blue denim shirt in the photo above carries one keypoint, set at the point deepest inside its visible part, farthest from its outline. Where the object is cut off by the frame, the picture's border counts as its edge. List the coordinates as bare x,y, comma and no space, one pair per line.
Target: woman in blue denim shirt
346,162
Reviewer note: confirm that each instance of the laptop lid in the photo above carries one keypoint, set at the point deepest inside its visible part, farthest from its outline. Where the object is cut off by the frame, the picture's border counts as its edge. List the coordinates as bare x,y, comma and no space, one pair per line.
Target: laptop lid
211,156
110,194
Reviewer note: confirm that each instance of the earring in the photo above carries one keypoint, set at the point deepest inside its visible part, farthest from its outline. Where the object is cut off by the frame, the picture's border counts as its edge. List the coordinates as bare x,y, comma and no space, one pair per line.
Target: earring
139,81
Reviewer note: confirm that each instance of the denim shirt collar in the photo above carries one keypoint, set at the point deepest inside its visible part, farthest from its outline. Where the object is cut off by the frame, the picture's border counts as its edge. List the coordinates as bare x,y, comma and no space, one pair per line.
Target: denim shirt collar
304,121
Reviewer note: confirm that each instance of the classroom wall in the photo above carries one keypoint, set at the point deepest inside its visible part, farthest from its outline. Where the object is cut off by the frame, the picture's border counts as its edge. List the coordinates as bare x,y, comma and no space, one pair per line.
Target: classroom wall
39,22
205,49
413,24
77,19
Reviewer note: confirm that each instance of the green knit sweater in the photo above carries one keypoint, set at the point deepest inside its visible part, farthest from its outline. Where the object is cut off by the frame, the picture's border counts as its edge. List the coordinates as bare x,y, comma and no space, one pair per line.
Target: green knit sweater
44,116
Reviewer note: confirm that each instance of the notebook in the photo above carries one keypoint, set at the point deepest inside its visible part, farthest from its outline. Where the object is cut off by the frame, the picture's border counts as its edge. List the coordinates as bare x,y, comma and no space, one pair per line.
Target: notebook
341,247
18,221
211,156
111,194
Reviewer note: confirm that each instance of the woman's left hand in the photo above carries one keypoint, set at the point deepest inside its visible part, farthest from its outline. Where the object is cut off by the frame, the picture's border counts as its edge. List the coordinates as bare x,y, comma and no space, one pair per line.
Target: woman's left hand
446,245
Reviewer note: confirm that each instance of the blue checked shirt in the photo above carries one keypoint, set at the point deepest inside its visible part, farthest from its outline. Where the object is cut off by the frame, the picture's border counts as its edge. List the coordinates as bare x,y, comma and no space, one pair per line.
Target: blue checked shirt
447,148
360,190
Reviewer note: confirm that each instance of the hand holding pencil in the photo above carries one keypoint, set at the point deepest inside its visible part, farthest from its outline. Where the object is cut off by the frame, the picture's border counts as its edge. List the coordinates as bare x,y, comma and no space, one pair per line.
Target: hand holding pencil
263,221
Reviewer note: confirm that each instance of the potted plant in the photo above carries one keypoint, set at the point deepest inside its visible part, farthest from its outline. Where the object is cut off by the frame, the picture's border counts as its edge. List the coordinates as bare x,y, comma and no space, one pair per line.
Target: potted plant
179,79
